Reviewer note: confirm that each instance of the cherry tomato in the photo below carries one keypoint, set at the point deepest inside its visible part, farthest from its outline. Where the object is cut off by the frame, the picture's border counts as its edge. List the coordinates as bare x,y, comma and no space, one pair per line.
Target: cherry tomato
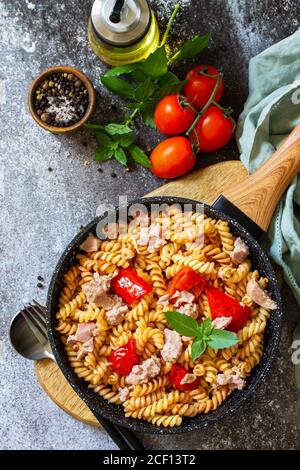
199,87
124,358
213,130
173,115
176,375
173,157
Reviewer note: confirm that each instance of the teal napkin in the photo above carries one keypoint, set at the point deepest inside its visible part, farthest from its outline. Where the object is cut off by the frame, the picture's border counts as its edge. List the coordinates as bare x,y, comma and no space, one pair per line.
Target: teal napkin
270,113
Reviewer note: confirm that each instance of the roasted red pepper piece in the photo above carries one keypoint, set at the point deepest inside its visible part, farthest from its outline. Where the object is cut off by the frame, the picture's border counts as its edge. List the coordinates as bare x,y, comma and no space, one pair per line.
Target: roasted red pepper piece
129,285
221,305
124,358
176,375
189,280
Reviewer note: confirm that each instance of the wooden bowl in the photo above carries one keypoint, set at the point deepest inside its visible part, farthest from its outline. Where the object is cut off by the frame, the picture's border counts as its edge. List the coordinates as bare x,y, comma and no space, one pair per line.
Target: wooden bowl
91,103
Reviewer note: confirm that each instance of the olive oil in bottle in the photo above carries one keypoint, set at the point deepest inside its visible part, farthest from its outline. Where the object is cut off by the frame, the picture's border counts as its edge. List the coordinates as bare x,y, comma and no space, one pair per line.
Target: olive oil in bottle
122,31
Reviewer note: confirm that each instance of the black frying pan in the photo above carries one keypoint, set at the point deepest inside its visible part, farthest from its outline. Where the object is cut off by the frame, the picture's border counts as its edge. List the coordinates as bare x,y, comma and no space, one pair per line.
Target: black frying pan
248,208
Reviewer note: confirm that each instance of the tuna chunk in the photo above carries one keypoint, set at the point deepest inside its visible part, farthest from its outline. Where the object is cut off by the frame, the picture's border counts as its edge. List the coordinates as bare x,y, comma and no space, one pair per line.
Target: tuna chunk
221,323
96,290
143,372
156,240
163,300
151,236
234,378
172,347
259,295
88,346
189,378
90,244
116,314
191,310
240,251
83,334
183,297
123,393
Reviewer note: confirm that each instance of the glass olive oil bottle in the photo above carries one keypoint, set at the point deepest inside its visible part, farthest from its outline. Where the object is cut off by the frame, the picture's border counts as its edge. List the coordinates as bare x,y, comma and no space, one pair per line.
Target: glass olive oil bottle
122,31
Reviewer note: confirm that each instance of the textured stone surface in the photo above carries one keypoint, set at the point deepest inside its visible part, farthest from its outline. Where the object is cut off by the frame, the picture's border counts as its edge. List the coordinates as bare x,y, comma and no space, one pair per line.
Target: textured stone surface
42,210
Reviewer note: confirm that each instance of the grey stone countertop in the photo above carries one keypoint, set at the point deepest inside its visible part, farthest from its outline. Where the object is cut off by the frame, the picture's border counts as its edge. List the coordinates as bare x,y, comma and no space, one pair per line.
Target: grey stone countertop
42,210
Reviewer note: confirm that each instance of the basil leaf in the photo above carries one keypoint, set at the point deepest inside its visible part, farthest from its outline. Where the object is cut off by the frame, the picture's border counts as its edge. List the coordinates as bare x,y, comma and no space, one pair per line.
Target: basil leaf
198,348
149,121
120,156
138,75
219,339
206,328
90,125
156,65
104,140
144,91
125,139
168,89
168,78
183,324
118,129
118,86
147,113
120,70
101,155
192,48
139,156
131,105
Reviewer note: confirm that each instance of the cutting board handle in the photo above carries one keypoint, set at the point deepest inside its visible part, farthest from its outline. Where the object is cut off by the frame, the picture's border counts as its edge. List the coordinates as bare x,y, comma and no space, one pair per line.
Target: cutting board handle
258,195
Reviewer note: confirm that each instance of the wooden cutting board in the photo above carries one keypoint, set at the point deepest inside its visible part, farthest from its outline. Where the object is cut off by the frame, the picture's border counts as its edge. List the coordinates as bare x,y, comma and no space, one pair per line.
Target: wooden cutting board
203,185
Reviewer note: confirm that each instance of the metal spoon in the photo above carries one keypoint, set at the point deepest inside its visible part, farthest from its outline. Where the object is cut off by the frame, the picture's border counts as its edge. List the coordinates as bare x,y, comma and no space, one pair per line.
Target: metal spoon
27,336
23,339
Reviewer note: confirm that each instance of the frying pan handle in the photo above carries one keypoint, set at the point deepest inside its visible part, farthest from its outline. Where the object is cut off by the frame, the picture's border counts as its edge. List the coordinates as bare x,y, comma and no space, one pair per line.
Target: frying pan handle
257,195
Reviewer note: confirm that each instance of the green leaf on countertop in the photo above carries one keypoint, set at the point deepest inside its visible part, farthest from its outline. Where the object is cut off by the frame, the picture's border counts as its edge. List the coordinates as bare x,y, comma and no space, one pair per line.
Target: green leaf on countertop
125,139
139,156
198,348
120,156
103,154
191,48
156,65
147,113
144,90
104,140
138,74
118,86
121,70
118,129
149,121
183,324
219,339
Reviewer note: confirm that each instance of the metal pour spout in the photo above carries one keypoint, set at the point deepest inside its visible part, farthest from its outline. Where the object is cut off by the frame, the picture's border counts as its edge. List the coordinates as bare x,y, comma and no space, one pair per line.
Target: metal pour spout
115,16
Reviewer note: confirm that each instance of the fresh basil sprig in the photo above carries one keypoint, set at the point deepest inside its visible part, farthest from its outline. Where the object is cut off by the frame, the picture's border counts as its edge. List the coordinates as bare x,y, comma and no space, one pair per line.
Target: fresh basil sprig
203,333
116,140
143,85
